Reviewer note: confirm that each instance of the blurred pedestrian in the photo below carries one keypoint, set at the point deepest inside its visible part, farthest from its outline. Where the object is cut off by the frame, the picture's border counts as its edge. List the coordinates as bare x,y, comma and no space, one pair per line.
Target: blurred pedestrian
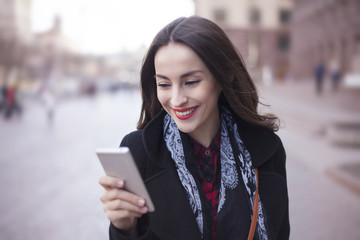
2,94
47,94
319,77
12,103
335,74
49,102
212,164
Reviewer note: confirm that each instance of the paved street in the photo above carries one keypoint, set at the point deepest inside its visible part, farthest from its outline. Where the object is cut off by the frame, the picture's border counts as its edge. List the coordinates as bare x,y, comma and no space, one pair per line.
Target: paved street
49,171
320,207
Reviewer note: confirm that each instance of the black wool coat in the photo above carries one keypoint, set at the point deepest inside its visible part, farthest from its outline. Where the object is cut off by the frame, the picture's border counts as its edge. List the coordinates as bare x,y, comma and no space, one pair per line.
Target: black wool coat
173,218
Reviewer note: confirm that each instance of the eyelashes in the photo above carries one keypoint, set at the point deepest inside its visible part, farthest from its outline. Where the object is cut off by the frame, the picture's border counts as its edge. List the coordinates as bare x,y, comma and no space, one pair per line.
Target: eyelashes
188,83
163,85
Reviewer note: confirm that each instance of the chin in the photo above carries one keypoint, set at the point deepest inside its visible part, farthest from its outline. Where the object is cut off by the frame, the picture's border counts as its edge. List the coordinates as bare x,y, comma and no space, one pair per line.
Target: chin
185,129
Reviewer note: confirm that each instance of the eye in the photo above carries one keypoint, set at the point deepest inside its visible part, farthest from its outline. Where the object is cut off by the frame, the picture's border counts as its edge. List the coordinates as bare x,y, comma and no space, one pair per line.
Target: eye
163,85
192,82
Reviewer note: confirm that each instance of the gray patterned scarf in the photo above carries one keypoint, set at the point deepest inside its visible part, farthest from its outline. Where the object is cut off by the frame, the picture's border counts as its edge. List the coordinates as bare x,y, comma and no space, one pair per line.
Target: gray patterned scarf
229,171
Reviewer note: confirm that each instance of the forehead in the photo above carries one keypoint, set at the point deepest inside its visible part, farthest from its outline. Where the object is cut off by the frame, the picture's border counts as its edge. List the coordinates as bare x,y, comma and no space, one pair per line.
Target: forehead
177,57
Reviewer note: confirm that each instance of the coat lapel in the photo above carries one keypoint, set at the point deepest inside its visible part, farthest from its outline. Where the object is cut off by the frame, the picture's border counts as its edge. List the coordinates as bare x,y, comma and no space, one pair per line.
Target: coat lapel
173,217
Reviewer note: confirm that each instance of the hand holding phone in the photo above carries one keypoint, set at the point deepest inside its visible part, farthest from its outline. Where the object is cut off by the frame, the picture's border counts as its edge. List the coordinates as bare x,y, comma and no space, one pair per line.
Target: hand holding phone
119,163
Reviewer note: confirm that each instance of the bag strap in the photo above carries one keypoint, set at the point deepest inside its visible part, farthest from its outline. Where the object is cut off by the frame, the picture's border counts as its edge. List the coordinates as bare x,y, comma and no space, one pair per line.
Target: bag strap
255,210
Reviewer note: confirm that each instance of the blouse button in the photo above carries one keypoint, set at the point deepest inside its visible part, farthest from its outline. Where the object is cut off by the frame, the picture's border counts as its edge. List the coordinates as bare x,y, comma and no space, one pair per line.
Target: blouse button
207,152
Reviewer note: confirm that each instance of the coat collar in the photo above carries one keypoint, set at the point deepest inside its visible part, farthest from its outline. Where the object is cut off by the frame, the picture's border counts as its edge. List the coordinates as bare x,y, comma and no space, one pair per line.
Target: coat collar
260,142
153,139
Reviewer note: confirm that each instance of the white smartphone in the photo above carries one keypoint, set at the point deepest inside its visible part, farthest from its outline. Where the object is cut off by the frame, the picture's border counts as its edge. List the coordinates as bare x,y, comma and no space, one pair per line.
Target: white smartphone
118,162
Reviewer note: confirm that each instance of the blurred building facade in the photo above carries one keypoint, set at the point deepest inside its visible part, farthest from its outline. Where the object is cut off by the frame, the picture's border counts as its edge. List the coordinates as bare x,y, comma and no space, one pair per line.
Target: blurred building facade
15,19
15,34
24,54
53,52
37,62
260,29
325,31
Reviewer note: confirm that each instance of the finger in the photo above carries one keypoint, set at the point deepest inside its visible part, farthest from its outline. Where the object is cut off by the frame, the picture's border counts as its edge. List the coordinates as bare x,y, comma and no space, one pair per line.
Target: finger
122,215
118,204
111,182
124,195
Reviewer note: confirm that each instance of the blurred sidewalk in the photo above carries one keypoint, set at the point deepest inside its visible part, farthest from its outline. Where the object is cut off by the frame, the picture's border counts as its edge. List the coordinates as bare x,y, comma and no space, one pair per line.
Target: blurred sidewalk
332,117
323,175
328,108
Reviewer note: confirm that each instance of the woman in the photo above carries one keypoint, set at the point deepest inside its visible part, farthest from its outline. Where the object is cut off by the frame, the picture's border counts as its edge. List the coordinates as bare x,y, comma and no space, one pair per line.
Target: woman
200,146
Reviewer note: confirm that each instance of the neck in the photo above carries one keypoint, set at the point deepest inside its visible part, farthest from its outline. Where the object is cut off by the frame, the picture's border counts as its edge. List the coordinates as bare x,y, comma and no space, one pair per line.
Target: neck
206,136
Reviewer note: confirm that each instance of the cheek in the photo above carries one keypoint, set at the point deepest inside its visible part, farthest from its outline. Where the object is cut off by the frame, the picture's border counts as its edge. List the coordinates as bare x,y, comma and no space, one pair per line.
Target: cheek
162,97
209,95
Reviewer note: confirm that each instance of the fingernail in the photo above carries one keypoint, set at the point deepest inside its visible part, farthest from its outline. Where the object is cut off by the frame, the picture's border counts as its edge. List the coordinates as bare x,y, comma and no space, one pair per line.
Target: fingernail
120,183
143,209
141,202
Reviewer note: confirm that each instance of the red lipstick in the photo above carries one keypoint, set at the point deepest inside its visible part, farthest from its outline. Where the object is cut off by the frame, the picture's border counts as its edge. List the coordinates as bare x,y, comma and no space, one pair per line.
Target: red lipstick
185,113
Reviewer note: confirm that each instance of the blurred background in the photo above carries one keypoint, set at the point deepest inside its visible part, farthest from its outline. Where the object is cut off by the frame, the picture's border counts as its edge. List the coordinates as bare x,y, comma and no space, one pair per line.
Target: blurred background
69,77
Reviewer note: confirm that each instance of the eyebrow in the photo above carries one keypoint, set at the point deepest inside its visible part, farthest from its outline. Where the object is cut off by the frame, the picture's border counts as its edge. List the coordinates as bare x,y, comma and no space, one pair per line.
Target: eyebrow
182,75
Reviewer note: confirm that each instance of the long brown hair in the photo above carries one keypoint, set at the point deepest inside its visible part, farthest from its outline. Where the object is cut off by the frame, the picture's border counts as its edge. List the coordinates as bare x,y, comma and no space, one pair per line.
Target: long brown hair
214,48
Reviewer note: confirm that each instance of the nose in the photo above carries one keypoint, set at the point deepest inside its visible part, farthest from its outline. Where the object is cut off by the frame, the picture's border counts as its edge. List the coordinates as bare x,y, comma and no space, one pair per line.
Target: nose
178,97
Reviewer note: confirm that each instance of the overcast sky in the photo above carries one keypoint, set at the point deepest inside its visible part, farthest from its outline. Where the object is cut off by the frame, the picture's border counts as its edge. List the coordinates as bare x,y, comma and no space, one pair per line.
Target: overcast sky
107,26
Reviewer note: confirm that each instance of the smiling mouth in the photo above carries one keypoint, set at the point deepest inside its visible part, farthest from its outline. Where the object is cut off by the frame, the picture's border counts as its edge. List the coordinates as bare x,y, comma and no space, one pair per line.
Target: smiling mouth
186,113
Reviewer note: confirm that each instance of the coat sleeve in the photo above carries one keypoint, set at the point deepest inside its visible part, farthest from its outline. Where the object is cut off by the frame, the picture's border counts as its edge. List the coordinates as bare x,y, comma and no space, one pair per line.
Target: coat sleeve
284,231
144,232
134,142
274,193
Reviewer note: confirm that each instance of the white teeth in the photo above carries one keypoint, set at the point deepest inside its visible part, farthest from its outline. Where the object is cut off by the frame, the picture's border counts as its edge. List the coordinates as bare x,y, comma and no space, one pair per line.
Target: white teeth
186,113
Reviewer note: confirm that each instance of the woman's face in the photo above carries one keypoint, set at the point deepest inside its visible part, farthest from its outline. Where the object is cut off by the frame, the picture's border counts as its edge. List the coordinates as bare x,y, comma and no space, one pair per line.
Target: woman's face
187,91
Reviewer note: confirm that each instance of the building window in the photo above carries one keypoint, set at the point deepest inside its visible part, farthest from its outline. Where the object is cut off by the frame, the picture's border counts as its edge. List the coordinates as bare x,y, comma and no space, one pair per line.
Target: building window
284,16
283,43
219,15
255,16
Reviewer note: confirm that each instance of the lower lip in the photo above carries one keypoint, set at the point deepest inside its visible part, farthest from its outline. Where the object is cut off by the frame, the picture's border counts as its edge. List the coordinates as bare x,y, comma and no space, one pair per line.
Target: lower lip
187,116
